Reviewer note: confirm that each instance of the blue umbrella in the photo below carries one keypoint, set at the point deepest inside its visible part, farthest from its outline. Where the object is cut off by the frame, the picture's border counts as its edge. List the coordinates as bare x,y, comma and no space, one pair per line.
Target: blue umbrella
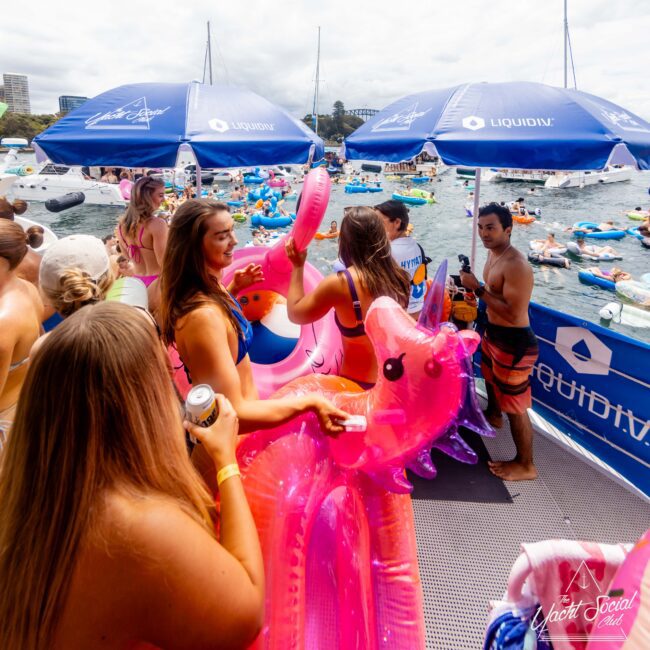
143,125
516,125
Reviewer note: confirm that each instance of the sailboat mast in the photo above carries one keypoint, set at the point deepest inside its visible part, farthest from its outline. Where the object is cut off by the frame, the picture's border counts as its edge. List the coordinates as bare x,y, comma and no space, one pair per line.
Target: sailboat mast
209,51
566,42
315,109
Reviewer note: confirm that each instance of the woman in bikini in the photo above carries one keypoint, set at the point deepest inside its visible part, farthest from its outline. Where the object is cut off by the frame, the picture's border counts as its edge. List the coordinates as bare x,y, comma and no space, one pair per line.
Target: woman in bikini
203,319
21,314
107,535
142,235
371,272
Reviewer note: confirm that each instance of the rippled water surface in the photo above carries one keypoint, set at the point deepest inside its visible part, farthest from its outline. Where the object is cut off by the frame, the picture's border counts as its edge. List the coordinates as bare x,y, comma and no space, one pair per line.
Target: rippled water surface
444,231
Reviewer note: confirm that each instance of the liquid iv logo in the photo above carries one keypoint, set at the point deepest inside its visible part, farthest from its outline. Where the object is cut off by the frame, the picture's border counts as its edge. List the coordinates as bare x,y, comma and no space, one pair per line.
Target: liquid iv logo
583,350
221,126
473,123
135,115
400,121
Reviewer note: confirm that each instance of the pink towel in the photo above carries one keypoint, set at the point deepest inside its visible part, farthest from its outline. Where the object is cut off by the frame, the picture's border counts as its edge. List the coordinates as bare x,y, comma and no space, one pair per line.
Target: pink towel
568,578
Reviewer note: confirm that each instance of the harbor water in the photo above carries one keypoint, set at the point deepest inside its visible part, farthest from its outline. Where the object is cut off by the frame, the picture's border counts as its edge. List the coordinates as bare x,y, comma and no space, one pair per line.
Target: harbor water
444,231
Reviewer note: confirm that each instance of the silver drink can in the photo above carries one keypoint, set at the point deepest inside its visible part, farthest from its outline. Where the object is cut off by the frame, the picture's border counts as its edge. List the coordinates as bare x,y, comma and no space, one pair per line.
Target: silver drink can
201,405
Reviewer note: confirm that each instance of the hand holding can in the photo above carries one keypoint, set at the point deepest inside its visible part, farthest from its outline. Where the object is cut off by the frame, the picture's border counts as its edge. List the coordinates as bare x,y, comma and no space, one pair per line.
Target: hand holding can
217,431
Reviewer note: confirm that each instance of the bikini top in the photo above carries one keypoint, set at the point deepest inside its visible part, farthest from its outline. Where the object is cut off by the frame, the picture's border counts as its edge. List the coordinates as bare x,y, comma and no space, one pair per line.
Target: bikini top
245,340
359,329
134,249
13,366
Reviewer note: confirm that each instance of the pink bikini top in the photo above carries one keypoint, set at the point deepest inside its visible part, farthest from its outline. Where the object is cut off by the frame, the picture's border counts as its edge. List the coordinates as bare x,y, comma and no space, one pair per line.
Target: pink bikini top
134,249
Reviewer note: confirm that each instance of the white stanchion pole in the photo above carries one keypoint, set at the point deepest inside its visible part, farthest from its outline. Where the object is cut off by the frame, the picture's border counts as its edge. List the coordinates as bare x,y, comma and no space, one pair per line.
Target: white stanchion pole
477,192
198,180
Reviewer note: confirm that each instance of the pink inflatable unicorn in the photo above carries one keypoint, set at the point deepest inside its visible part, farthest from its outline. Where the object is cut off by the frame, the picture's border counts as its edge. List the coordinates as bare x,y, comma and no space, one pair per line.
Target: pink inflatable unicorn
333,515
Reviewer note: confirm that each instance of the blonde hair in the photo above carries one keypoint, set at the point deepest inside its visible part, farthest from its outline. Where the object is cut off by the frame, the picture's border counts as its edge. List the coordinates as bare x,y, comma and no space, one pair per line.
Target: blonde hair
8,210
140,204
77,289
97,414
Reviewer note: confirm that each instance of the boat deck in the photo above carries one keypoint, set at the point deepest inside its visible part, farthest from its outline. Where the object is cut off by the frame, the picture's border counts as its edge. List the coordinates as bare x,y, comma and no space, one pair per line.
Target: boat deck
469,525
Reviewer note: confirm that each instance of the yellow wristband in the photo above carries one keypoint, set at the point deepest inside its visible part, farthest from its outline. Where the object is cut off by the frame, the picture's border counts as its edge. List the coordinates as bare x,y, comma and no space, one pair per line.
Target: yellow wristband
227,472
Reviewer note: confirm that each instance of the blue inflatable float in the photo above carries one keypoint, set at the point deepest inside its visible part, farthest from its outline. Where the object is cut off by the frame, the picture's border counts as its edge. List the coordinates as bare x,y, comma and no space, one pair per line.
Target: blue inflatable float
589,278
595,233
413,200
272,222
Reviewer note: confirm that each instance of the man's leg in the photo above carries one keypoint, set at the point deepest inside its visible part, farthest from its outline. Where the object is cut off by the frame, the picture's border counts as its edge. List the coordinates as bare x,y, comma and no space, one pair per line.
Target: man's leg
521,467
492,412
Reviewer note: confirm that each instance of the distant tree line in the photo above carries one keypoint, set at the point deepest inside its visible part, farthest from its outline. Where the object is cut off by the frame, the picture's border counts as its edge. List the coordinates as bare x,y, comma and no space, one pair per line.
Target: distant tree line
17,125
336,126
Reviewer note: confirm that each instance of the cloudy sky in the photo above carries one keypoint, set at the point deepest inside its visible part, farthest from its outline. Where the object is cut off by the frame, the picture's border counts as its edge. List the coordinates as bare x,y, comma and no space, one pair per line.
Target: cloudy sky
371,52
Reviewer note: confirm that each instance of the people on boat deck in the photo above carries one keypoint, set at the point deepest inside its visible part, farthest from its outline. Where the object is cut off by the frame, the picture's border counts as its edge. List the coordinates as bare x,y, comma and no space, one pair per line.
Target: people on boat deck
98,452
109,176
21,314
593,249
509,346
370,272
406,251
202,318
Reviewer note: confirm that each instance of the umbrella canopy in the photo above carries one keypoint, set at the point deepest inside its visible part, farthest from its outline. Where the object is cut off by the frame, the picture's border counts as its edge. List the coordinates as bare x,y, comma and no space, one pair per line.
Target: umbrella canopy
517,125
143,125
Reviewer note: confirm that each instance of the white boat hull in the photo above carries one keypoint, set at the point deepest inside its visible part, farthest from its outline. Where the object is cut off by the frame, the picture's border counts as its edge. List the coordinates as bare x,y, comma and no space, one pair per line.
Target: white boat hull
520,175
6,182
561,181
45,186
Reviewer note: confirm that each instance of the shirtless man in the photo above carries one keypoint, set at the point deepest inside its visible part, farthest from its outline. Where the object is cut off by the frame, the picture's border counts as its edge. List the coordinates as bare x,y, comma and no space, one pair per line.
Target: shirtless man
509,347
236,194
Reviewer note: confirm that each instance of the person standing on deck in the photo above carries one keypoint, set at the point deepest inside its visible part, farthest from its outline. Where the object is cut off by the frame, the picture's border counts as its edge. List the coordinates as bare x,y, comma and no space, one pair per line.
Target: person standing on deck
509,347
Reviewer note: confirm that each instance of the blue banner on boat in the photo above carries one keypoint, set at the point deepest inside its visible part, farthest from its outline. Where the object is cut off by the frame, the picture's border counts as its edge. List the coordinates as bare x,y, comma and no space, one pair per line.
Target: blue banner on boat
592,384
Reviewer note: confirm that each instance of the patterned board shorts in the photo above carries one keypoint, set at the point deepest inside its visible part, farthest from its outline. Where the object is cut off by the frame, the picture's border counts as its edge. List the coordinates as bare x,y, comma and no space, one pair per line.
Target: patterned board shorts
507,358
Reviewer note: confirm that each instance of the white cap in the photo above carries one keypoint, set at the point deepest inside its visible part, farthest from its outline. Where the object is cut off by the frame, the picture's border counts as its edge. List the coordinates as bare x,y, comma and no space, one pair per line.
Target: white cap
83,252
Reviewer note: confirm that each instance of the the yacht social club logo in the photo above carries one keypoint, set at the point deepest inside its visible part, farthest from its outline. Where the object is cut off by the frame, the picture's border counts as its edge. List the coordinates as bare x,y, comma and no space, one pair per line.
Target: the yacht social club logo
400,121
135,115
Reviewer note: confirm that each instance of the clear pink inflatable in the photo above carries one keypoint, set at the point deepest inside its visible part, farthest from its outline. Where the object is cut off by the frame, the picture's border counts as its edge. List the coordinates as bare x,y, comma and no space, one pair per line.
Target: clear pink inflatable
276,182
623,617
319,346
333,514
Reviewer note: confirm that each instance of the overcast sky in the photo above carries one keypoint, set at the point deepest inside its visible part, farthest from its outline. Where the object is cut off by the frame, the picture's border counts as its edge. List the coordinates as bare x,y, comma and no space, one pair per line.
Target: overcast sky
371,52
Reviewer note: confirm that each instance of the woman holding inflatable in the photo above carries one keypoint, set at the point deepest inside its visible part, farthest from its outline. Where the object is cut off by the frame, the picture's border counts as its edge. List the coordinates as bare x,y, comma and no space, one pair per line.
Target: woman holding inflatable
370,272
203,319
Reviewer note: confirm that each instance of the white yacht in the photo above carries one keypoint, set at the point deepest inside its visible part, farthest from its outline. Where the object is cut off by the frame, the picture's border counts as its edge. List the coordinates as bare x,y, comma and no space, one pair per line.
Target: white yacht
53,181
10,167
520,175
614,174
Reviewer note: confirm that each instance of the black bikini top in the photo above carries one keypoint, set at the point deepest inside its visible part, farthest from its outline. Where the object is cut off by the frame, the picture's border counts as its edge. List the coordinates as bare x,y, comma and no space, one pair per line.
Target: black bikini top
358,329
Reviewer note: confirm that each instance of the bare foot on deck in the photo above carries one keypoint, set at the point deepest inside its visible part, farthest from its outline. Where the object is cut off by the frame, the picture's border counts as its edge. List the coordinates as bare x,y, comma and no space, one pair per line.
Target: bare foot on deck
495,419
512,470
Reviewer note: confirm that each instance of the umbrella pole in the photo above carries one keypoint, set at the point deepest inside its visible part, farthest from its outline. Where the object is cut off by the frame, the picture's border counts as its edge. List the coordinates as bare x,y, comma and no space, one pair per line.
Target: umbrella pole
477,192
198,180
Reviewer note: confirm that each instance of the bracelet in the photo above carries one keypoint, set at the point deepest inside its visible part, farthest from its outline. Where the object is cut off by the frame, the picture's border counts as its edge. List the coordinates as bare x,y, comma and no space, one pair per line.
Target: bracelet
227,472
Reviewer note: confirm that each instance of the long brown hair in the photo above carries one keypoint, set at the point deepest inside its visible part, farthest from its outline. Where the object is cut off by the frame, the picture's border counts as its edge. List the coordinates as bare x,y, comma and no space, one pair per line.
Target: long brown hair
363,243
185,282
97,413
13,243
140,204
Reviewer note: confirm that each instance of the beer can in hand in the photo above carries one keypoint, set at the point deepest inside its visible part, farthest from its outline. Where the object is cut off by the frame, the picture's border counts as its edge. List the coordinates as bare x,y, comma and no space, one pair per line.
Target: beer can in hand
201,405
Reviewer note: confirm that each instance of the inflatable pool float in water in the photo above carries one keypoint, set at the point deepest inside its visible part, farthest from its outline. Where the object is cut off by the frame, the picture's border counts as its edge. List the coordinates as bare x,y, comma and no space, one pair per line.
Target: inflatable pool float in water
549,260
593,231
615,312
536,246
412,200
590,254
326,235
634,232
235,204
638,215
637,292
355,188
239,217
590,278
270,222
423,194
523,218
338,540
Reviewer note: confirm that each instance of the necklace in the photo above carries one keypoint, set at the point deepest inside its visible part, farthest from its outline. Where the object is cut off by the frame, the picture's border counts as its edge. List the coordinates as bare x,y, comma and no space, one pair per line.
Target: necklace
501,254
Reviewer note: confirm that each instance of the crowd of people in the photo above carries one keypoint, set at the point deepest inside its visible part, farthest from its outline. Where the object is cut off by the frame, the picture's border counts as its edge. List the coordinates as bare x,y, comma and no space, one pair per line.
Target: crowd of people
99,481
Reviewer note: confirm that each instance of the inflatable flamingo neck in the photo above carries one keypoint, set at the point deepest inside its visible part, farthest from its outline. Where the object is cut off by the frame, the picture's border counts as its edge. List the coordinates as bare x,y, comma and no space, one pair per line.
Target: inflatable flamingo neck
313,204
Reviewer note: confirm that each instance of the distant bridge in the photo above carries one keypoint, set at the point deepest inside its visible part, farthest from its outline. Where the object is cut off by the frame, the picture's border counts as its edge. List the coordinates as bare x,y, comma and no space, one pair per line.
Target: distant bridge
363,113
